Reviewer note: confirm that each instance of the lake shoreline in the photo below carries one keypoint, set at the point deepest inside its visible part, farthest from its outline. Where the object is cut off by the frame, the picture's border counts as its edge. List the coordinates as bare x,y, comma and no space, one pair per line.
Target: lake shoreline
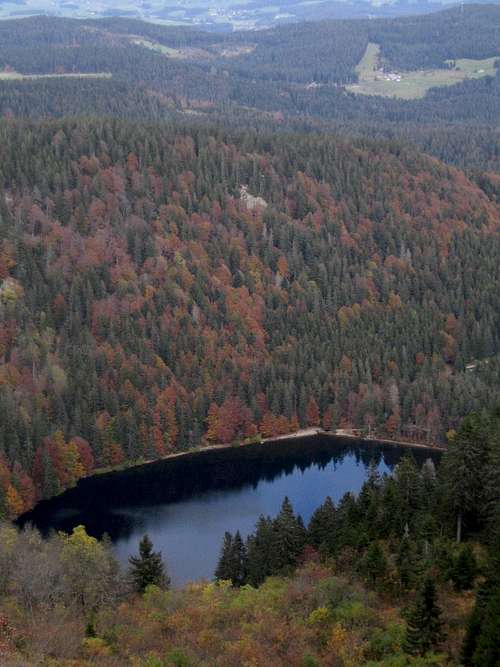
192,498
313,432
341,434
257,447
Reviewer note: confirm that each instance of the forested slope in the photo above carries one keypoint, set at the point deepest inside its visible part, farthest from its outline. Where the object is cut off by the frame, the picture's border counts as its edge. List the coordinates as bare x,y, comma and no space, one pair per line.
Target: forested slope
291,72
151,301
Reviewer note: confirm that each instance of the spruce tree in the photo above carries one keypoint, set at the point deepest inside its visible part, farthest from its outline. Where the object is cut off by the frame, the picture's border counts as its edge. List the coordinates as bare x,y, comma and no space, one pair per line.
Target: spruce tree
374,563
464,469
405,562
348,521
223,570
232,561
424,626
148,568
487,653
464,569
475,624
289,538
481,646
238,561
321,529
259,552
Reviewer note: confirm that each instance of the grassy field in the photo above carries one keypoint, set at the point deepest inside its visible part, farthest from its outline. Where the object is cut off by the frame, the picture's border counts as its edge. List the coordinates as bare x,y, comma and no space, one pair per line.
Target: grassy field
412,85
17,76
159,48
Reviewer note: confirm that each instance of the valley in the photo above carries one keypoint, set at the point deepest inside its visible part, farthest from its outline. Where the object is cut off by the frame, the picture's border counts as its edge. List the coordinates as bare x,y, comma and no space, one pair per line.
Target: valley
283,79
249,334
375,80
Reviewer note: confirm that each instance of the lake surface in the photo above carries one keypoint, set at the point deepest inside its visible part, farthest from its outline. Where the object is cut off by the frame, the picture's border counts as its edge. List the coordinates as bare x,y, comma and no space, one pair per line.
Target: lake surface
187,503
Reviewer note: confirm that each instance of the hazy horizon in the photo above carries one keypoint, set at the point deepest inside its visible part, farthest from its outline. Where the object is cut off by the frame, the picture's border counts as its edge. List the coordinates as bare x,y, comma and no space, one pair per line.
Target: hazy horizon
223,15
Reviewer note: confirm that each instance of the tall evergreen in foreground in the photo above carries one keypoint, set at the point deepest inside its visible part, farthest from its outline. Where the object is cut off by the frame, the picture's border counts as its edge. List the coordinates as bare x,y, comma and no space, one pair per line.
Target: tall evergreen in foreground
148,568
464,569
289,538
481,647
424,626
223,569
232,561
321,529
259,546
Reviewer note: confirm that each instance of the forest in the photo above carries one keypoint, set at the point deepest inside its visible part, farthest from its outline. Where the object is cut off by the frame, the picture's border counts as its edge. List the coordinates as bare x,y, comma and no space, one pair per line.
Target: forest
285,78
165,287
405,574
210,240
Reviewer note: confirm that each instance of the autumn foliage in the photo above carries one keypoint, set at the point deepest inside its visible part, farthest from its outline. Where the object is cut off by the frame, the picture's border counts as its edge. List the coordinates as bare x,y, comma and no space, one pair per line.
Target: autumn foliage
146,309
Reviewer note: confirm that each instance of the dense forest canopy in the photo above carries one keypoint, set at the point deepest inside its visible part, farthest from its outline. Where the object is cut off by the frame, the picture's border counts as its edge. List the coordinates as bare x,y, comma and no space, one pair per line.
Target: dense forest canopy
213,239
164,286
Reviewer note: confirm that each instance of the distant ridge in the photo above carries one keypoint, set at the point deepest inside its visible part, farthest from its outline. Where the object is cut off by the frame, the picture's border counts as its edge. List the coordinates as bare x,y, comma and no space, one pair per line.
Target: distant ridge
229,16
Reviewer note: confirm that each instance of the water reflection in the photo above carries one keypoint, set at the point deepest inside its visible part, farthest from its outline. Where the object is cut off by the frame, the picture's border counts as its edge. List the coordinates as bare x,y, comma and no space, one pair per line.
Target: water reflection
186,504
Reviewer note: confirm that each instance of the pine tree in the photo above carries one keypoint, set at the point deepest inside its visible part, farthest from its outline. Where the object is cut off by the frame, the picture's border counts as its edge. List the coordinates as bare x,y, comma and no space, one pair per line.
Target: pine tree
321,529
148,568
289,537
223,570
238,561
374,563
481,646
410,489
487,653
464,469
475,624
404,562
424,626
259,552
348,522
464,569
232,561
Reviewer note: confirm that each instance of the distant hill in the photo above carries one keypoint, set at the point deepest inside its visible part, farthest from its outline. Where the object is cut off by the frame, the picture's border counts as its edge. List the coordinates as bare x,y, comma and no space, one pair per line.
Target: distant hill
308,75
224,15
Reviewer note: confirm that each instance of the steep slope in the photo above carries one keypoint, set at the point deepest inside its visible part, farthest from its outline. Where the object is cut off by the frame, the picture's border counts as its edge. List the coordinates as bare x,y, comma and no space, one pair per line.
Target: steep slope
162,286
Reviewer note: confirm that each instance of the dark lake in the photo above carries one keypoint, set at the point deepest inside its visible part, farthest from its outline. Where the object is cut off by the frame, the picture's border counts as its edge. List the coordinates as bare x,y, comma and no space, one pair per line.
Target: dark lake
187,503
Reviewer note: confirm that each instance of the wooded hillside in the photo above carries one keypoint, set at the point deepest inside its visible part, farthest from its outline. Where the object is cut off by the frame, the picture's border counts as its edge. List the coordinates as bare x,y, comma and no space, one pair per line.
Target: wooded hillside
152,301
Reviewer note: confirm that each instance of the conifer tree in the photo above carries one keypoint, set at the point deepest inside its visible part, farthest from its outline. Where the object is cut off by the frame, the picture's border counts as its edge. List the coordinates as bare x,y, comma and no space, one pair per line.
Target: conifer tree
487,653
404,562
288,541
238,561
321,529
148,568
463,470
424,626
481,646
410,489
475,624
259,551
223,570
232,561
464,569
374,563
348,519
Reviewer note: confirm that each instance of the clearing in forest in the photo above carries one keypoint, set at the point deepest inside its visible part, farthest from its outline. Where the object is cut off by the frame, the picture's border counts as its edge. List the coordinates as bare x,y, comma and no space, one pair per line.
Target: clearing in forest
156,46
373,80
184,53
17,76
